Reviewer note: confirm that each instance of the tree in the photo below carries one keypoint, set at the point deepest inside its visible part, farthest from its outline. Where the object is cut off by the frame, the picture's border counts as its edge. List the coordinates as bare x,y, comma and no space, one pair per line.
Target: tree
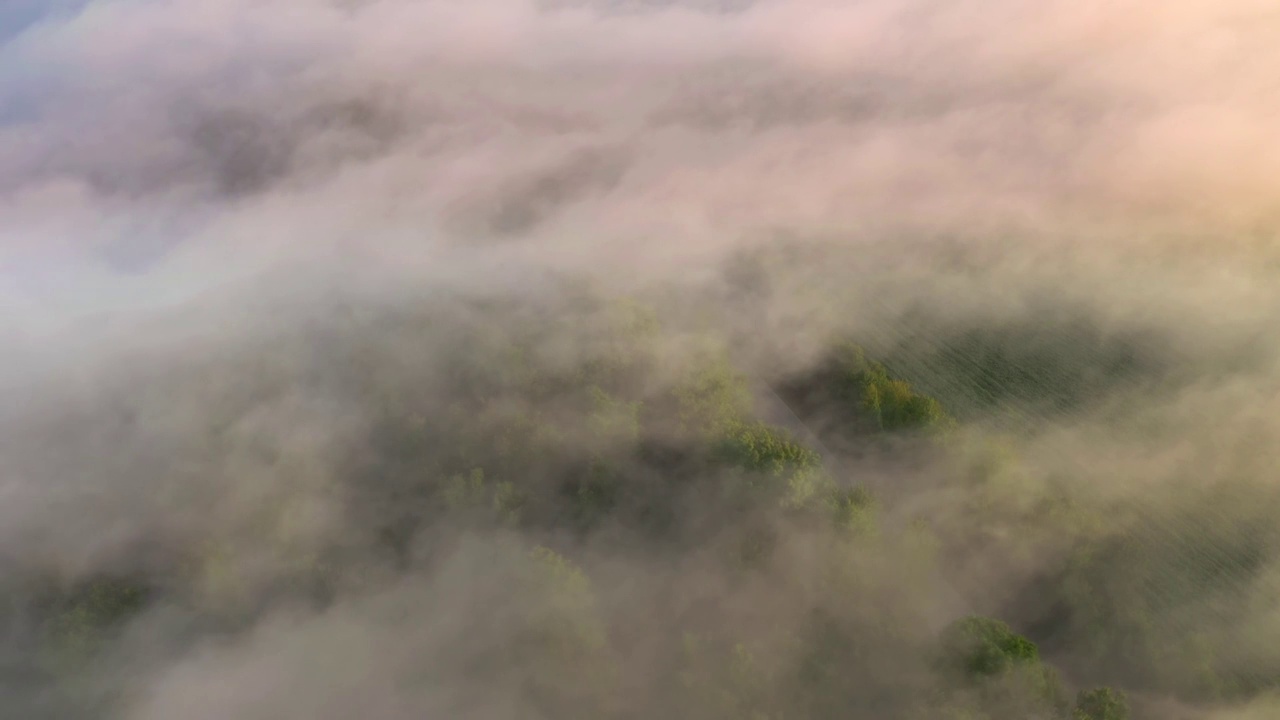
564,648
983,647
1101,703
1002,666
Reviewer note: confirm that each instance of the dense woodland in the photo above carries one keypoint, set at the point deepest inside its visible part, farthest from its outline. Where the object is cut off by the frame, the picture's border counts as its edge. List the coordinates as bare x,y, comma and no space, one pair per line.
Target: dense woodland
601,517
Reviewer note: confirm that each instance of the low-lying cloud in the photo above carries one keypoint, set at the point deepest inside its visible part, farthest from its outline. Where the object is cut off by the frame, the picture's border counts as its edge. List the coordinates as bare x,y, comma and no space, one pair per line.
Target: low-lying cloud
233,233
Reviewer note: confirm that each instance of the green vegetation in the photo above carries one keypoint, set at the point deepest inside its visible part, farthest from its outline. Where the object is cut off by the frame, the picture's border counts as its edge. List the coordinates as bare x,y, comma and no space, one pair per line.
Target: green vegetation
983,648
787,590
1056,362
1101,704
82,626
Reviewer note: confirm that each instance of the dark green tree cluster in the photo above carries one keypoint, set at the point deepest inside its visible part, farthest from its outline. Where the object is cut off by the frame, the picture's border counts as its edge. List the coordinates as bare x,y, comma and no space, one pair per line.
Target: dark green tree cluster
865,396
1101,704
1000,663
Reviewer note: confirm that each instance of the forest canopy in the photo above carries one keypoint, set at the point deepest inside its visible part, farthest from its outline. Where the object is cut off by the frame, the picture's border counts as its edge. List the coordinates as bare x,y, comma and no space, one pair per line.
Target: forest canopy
649,537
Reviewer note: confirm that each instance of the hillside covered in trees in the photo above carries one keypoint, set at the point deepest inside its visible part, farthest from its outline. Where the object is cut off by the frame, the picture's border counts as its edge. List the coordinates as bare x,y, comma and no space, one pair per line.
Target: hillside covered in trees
577,508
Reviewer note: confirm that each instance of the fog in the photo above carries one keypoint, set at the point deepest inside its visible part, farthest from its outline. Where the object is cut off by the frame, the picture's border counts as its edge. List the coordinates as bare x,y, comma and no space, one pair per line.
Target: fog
263,264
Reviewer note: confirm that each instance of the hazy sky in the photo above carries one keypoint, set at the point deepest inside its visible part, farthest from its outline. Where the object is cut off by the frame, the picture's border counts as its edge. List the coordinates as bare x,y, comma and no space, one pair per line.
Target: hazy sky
153,150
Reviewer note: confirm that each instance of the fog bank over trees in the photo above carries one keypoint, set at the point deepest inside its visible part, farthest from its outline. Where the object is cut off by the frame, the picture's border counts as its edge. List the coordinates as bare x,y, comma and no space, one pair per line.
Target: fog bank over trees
787,359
